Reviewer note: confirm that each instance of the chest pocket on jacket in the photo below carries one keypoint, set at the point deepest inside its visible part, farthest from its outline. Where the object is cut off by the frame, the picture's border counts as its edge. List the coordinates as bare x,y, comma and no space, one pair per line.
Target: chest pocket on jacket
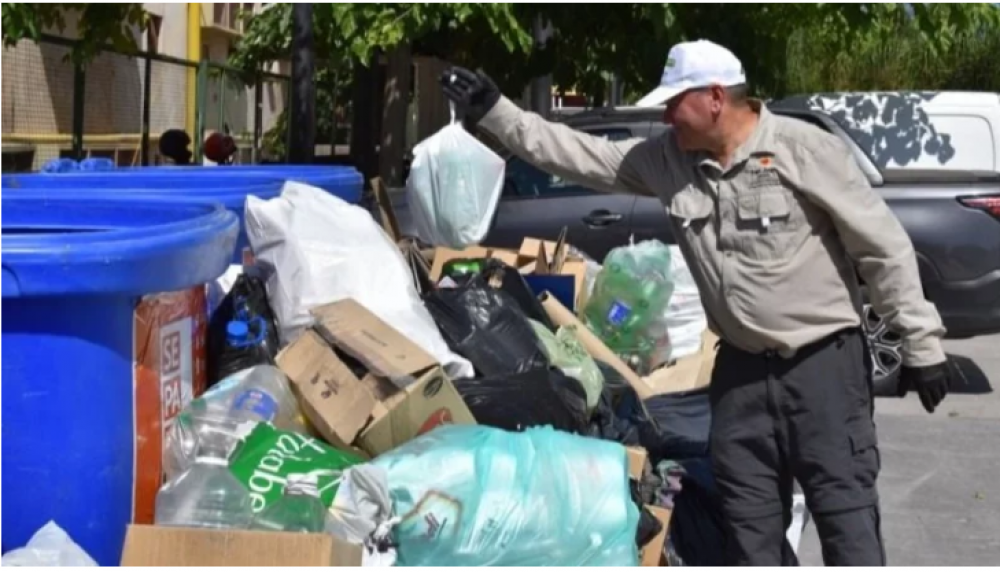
767,221
690,210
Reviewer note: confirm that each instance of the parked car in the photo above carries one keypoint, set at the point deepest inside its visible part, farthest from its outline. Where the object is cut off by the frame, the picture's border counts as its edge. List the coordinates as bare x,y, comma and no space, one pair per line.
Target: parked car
915,129
952,217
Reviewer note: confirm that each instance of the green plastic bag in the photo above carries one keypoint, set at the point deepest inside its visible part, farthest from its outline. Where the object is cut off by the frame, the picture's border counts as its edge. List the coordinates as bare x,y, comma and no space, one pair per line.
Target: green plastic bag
568,354
267,456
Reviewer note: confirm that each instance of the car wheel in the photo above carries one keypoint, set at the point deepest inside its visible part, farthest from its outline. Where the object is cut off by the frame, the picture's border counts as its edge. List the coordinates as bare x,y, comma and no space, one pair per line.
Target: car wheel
884,345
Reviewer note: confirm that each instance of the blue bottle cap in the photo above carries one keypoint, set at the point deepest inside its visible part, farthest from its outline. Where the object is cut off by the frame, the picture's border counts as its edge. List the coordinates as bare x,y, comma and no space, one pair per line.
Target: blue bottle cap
237,331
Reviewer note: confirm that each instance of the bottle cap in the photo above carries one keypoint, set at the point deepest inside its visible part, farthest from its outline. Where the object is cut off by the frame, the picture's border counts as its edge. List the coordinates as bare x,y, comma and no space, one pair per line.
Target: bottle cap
237,331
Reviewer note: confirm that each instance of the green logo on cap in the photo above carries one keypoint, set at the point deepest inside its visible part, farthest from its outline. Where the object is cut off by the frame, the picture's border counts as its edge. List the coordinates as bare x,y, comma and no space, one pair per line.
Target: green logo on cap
671,62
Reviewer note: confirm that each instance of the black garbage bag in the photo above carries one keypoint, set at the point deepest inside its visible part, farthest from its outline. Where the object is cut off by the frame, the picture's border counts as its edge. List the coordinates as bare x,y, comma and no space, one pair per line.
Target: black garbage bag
246,301
649,525
533,398
673,426
486,326
511,281
684,421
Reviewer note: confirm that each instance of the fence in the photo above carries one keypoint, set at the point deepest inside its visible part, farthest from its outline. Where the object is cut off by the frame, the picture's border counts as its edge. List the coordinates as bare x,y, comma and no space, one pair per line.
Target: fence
119,105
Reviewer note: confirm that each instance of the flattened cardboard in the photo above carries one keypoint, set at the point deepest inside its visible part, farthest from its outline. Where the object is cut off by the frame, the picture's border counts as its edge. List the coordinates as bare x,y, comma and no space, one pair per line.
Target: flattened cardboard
147,545
388,215
688,373
336,403
361,334
652,553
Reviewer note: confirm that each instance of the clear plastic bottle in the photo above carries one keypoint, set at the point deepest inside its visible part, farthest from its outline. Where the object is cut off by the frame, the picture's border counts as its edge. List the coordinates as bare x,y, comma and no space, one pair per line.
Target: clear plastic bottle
299,510
206,494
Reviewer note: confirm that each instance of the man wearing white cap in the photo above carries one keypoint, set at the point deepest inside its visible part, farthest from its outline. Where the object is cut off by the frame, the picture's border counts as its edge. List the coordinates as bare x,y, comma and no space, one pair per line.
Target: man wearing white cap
775,220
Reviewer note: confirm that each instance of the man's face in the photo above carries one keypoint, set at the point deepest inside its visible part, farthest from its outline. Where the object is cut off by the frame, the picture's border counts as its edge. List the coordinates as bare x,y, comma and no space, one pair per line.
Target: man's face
694,116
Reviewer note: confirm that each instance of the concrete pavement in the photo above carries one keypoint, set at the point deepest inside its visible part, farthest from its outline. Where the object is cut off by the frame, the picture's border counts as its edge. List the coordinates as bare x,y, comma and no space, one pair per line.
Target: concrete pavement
940,480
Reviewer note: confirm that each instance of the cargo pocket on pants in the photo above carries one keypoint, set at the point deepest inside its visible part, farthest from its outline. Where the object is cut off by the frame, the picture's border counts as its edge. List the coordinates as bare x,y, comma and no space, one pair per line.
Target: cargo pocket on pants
866,460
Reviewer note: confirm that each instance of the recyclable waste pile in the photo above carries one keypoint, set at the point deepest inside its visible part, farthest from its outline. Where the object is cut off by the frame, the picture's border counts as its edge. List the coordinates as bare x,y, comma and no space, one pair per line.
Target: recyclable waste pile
374,400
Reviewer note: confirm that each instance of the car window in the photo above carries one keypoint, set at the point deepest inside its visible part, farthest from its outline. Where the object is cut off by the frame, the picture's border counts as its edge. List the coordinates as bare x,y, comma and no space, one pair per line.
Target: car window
524,180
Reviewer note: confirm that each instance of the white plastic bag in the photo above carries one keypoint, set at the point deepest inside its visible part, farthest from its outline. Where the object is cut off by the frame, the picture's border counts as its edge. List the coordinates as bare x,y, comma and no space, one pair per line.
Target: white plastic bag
316,249
50,546
685,315
453,187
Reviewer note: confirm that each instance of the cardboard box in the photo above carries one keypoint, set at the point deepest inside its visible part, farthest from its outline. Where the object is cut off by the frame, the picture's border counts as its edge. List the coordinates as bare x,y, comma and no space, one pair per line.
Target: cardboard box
346,371
688,373
443,255
652,553
174,546
636,461
549,267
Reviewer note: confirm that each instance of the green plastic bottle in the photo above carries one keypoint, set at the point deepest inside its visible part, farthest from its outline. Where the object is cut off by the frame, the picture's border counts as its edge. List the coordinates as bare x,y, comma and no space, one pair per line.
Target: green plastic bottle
630,297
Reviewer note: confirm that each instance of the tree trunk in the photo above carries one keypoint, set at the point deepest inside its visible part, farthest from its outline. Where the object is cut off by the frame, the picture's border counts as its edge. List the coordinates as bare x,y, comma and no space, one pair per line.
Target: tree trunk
395,114
363,120
302,117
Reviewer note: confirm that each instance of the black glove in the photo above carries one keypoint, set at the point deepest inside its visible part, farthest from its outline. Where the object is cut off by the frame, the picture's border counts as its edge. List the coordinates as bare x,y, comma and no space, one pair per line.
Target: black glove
474,94
930,382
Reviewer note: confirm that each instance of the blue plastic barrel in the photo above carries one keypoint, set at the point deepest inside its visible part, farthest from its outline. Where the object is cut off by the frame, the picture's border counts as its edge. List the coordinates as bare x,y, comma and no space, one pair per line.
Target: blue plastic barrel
82,277
343,182
233,198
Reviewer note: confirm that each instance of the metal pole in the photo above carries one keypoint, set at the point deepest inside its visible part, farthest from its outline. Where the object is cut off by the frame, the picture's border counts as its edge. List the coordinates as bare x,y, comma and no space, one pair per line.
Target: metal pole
147,97
258,117
541,87
302,116
199,123
79,90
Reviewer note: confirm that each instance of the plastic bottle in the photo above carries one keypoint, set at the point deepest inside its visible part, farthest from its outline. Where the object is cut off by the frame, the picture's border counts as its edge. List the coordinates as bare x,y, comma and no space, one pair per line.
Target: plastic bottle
247,345
299,510
626,308
206,494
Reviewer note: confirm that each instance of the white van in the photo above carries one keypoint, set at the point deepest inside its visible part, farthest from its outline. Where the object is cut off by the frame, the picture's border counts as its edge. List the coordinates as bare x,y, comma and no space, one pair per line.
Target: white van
954,130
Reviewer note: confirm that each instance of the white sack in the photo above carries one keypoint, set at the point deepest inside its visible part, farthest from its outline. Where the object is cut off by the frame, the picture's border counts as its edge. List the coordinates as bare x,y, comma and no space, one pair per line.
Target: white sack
316,249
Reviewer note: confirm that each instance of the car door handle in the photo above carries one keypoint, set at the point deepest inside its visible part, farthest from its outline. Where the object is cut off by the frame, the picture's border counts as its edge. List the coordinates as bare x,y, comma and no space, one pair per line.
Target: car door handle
602,217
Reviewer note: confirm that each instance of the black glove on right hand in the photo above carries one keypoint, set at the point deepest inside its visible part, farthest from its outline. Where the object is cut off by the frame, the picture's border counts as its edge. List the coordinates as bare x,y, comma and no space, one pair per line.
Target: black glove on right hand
474,94
931,383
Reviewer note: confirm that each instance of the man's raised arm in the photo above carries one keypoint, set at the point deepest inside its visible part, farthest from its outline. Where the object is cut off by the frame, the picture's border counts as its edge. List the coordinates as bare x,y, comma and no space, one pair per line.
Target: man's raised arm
552,147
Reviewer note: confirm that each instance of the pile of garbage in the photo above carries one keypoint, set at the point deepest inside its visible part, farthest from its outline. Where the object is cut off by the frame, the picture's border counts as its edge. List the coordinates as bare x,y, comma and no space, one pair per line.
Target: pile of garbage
374,402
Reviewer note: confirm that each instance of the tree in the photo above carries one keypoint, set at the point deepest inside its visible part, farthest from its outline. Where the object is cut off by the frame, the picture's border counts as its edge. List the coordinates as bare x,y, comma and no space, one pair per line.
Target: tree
99,25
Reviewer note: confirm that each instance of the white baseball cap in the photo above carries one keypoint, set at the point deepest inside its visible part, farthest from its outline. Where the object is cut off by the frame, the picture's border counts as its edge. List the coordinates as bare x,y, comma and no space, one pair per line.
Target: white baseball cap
692,65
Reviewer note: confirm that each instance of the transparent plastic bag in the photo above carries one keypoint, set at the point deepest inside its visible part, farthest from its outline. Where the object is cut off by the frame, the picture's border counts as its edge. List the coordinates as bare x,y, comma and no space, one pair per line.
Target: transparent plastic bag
479,496
627,308
685,316
453,187
50,546
566,353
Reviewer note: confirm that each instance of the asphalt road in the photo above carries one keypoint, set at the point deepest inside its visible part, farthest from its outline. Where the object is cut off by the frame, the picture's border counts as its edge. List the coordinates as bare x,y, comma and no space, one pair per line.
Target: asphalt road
940,479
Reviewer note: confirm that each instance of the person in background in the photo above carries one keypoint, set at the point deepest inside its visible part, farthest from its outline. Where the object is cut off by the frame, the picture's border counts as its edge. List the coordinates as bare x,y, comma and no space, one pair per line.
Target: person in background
220,148
174,145
775,220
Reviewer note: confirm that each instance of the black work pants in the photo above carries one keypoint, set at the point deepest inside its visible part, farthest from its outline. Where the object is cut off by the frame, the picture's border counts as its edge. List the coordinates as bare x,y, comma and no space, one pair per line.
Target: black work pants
807,418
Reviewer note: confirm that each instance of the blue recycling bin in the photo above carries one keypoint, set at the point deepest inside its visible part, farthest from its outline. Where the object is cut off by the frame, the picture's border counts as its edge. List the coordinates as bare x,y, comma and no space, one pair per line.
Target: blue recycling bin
229,185
103,328
343,182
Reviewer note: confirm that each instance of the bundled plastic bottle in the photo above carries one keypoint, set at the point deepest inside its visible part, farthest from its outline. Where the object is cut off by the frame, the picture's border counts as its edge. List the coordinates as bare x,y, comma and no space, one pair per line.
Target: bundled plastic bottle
206,494
626,308
299,510
260,394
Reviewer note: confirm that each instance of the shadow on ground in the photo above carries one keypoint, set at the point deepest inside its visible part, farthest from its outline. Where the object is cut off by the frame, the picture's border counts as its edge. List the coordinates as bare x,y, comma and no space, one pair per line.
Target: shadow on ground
967,377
